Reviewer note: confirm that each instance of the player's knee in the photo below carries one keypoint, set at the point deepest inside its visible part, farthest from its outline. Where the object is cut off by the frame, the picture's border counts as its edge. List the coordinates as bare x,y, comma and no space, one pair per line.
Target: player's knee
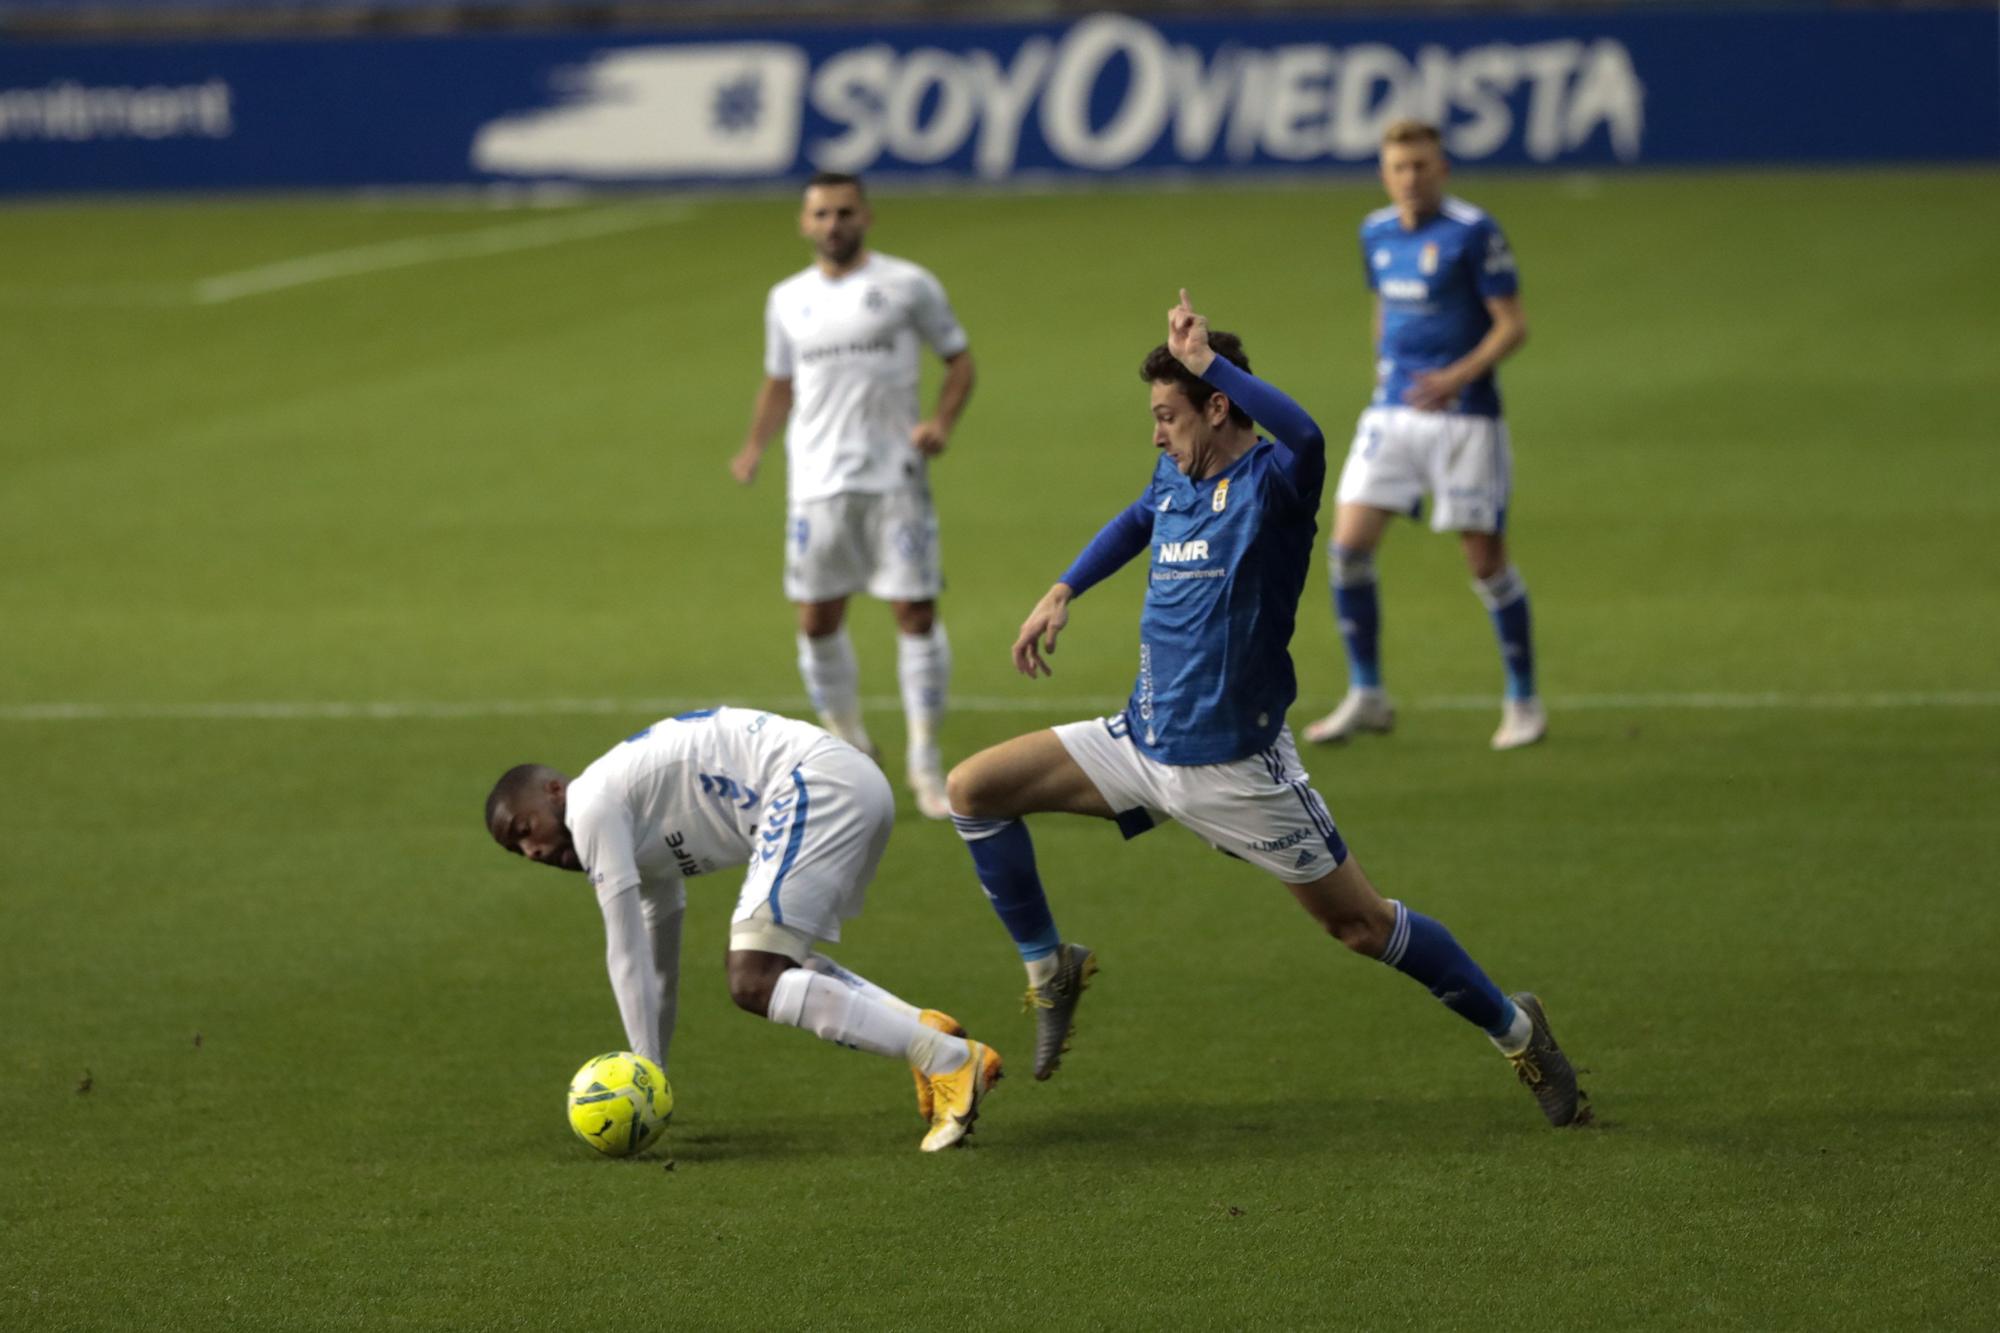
915,617
819,619
750,987
967,790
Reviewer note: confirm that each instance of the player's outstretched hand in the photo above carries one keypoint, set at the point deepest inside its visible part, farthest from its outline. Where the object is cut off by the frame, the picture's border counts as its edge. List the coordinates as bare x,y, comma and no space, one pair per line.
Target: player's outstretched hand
928,438
743,467
1039,631
1187,336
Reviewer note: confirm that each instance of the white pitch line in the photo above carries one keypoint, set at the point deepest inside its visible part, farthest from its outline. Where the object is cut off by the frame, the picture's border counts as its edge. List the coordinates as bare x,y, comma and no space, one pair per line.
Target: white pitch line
390,710
1724,702
417,250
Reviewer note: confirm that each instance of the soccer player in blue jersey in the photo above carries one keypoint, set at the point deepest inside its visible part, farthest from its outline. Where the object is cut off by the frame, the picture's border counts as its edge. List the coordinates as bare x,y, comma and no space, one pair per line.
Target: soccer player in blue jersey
1447,312
1229,520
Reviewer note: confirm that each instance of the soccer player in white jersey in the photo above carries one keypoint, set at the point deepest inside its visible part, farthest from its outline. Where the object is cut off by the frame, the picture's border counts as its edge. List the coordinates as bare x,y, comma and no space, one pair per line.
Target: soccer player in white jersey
841,377
1228,521
810,816
1447,312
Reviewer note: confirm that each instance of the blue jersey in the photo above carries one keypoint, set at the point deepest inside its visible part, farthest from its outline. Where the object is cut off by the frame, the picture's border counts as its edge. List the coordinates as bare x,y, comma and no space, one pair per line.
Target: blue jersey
1228,559
1433,284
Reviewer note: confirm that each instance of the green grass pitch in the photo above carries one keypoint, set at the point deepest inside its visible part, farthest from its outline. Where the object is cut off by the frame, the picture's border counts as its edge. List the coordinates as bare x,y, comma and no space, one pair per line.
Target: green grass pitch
324,1026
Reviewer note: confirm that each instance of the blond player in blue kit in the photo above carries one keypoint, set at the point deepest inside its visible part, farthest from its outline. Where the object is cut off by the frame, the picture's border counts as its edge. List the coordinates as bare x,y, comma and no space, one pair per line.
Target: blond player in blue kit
1447,312
809,815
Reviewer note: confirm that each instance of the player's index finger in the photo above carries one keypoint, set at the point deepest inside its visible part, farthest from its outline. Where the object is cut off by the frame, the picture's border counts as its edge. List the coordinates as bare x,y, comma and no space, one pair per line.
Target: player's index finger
1184,300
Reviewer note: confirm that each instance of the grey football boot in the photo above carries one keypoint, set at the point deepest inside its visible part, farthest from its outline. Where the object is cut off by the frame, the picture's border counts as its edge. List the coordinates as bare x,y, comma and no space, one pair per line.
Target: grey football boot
1054,1003
1546,1071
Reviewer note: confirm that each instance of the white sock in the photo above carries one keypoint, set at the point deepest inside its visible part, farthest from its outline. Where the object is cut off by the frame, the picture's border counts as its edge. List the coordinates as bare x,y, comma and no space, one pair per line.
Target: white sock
1043,969
833,682
836,1012
826,967
923,669
935,1052
1505,587
1515,1039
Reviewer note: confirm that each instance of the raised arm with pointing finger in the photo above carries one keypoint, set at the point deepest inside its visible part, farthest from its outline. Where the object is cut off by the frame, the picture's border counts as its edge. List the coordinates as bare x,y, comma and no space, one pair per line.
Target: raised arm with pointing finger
1301,448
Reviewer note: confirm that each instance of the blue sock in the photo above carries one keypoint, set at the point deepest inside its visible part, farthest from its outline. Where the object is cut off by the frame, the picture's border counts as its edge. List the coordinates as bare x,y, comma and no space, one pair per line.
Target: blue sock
1424,949
1506,599
1359,612
1004,857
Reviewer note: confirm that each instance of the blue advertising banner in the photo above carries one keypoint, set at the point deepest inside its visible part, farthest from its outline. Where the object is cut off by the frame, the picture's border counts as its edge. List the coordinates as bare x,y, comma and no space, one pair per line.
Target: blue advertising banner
1103,94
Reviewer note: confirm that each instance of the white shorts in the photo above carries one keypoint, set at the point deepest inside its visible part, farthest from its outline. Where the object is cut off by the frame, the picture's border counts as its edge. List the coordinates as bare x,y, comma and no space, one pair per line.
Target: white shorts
1258,809
818,844
1400,455
886,545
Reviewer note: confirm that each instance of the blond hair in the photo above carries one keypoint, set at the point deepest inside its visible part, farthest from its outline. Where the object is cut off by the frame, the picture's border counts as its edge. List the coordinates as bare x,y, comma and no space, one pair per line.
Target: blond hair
1412,131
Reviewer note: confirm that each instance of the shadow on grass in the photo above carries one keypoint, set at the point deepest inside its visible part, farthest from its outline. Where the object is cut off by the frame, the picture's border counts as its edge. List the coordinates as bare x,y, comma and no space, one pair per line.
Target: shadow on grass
1303,1130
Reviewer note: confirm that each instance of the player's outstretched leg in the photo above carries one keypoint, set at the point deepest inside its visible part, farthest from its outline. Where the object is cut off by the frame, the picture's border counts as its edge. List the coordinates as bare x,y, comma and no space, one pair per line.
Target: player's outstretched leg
1523,721
1358,610
923,669
1415,945
1422,948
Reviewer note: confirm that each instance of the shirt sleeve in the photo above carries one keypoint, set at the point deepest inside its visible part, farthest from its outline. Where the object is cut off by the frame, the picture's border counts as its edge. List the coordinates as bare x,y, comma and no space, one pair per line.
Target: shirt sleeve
1115,543
777,344
642,953
602,831
936,322
1367,263
1269,407
1493,262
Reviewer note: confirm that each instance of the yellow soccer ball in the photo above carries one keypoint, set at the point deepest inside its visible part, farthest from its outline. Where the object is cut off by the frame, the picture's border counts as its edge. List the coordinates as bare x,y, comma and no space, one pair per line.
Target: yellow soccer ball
620,1103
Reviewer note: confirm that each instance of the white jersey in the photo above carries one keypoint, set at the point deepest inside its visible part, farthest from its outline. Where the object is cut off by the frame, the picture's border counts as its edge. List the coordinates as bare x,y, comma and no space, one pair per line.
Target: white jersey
683,797
849,346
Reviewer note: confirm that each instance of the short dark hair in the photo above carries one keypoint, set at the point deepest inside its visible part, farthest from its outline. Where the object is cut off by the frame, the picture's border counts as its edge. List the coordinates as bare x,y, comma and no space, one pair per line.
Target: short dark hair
1163,367
516,780
838,178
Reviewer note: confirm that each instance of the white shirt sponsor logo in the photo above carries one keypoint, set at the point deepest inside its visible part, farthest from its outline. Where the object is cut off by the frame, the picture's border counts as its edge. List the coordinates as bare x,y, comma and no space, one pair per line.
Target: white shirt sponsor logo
851,347
1174,553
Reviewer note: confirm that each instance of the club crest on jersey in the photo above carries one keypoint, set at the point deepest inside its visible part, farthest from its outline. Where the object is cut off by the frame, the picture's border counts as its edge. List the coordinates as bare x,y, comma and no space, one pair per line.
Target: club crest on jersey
1427,262
1381,259
875,300
1221,495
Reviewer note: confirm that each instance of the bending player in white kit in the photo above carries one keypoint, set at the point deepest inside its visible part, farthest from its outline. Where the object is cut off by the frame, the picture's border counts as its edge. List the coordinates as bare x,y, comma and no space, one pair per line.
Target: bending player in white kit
810,815
840,375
